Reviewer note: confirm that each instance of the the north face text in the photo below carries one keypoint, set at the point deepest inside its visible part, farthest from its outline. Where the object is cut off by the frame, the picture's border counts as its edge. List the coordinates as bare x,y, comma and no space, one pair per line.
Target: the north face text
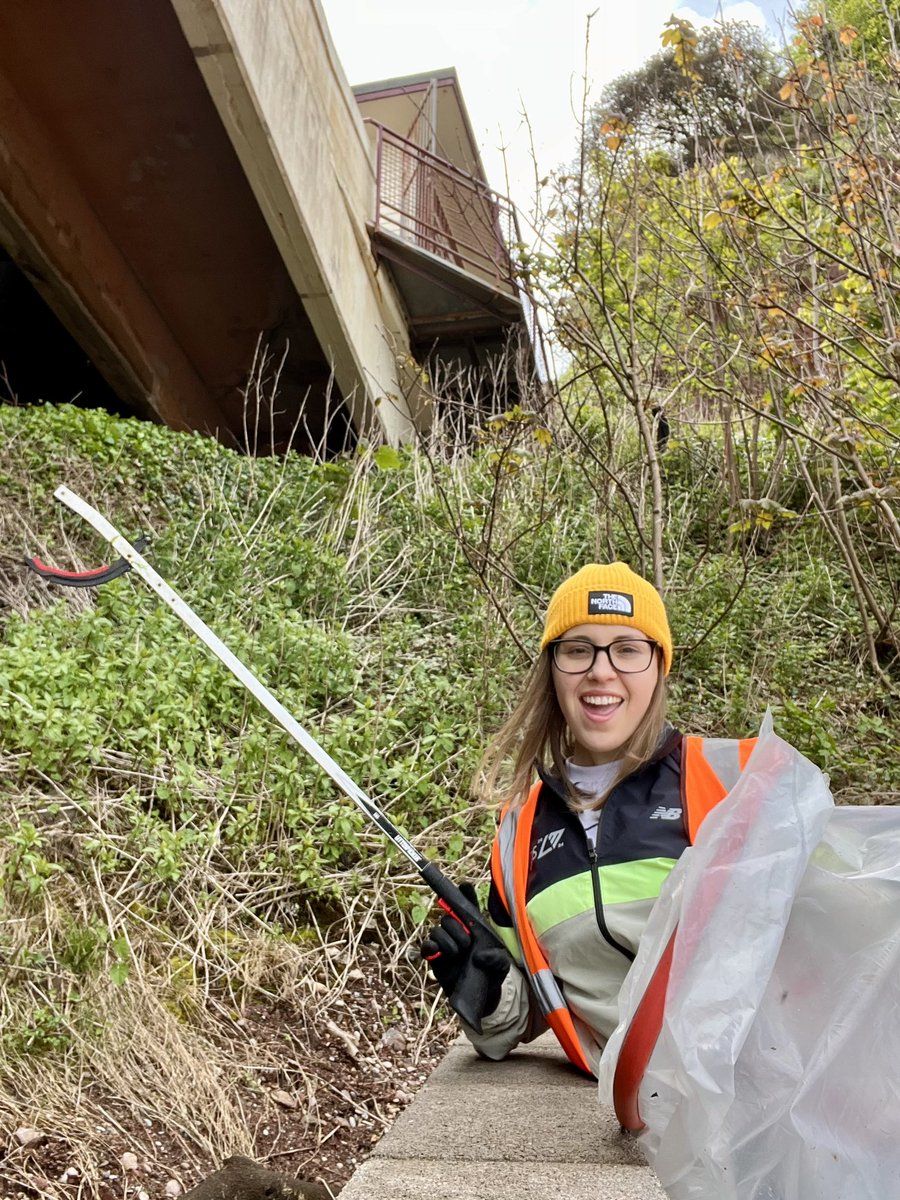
619,603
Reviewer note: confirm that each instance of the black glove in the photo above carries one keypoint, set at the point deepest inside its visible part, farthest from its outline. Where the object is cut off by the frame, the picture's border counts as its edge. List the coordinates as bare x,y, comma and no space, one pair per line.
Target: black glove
453,951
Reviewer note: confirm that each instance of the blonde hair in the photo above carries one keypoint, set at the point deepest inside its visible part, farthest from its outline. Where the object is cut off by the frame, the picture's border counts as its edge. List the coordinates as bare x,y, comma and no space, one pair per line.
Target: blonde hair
536,730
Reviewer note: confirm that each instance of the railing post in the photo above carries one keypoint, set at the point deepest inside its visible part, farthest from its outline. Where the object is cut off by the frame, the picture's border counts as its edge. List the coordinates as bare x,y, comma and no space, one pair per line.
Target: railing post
379,149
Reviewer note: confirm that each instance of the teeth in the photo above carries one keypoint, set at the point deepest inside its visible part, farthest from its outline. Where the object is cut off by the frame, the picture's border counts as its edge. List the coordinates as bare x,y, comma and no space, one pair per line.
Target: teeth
601,701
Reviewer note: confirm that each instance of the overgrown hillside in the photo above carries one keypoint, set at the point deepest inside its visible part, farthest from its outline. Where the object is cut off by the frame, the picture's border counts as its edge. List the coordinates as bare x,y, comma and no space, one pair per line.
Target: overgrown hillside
173,867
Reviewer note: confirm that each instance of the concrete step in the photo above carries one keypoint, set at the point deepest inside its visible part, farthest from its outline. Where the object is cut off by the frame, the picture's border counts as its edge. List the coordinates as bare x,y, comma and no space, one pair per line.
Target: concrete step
403,1179
527,1127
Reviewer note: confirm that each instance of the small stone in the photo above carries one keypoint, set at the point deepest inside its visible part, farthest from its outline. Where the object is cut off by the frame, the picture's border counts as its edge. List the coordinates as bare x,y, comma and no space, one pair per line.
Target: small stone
29,1138
393,1039
128,1161
401,1097
71,1172
173,1188
356,974
143,1196
284,1099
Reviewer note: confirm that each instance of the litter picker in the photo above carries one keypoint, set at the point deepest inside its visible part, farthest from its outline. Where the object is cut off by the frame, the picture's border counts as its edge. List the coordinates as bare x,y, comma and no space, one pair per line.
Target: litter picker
468,997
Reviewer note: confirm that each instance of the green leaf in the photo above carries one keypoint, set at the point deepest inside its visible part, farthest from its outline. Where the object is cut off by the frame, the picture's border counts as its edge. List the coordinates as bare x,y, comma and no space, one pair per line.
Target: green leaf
387,458
118,973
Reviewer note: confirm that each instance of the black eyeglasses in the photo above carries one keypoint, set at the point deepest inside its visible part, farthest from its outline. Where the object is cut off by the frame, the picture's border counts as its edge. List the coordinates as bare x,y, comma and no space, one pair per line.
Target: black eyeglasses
630,656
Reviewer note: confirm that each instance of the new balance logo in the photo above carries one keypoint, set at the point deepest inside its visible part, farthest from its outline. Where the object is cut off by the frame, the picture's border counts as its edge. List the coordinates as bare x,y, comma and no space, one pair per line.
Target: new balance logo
665,814
550,841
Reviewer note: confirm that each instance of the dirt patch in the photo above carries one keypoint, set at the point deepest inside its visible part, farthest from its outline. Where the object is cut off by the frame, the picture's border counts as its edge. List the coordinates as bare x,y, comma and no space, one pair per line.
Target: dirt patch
323,1092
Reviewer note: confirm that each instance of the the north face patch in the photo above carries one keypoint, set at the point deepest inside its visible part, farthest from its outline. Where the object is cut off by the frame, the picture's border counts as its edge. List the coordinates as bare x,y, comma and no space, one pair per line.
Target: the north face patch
620,603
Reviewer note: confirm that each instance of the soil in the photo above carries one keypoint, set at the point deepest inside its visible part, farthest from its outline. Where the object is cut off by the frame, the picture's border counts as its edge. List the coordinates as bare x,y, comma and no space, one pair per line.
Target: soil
364,1073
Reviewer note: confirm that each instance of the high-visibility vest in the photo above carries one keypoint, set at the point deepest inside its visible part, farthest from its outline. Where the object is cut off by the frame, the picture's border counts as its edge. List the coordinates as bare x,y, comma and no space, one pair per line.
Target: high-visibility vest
709,770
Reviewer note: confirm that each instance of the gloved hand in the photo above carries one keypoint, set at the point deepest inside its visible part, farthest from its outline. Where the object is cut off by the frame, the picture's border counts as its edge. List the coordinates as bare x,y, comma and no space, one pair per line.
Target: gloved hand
451,947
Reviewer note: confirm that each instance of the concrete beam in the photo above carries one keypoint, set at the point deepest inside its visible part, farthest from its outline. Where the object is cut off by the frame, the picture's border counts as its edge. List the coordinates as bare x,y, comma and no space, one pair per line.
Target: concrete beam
281,94
51,231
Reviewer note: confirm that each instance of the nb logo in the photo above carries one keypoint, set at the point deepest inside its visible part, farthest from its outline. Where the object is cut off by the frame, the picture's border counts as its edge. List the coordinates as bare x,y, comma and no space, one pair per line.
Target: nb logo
665,814
550,841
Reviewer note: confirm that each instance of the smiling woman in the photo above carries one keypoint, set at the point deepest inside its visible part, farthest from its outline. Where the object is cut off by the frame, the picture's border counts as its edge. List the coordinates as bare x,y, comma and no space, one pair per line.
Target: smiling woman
580,853
603,689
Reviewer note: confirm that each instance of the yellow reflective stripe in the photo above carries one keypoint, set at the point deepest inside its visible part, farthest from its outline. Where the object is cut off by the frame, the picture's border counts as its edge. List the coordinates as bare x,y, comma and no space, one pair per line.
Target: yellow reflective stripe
509,940
641,880
621,883
560,901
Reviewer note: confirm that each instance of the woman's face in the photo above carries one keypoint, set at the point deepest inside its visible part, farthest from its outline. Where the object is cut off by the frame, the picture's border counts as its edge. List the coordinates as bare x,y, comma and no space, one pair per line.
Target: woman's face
602,707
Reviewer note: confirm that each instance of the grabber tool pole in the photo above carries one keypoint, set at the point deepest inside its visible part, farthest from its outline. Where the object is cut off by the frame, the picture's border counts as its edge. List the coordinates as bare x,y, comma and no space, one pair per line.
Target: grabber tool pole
468,998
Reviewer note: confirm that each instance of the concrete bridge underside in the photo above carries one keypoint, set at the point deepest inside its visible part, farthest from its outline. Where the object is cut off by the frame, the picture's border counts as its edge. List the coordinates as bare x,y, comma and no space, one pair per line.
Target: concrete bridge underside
182,178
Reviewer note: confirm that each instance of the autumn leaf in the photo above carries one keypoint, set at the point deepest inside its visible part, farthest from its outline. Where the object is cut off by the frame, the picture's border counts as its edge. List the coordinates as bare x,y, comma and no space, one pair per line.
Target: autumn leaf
712,220
848,35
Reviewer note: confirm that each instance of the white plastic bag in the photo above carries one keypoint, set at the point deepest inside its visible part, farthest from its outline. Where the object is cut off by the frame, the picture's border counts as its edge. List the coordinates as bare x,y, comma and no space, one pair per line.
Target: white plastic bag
776,1075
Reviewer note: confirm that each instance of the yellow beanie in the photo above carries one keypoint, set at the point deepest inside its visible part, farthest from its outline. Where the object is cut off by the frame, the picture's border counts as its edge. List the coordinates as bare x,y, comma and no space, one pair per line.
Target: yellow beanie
610,594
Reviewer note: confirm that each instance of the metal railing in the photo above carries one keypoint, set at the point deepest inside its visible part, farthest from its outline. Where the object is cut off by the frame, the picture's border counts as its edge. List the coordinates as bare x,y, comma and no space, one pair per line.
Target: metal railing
427,201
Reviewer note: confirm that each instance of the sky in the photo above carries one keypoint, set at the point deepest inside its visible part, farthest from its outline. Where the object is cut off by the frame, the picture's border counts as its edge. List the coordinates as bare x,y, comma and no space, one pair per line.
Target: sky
518,56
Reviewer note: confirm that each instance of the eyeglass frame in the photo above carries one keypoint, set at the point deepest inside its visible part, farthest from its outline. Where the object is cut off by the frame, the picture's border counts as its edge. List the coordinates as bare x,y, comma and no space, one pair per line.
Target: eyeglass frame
598,650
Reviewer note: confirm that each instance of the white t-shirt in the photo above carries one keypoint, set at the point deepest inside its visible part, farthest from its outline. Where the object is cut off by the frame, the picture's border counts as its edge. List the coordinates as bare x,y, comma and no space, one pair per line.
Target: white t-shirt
592,781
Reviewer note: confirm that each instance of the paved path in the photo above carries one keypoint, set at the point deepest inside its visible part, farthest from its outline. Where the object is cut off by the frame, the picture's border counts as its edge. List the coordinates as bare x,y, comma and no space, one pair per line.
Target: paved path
523,1129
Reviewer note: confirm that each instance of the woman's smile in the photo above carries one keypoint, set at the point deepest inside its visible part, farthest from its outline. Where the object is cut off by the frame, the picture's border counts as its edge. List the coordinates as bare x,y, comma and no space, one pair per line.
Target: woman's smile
600,706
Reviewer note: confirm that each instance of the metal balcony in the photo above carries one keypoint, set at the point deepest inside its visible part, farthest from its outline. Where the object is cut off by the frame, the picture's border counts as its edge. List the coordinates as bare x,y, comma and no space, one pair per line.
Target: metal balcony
446,236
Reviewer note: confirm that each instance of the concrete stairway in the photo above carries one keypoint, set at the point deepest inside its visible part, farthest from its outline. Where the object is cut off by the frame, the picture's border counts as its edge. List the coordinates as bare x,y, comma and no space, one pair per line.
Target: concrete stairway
523,1129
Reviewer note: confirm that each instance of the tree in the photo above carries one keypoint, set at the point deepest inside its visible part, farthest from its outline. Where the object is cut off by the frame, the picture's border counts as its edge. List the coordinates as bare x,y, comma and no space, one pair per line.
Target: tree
755,294
870,20
704,90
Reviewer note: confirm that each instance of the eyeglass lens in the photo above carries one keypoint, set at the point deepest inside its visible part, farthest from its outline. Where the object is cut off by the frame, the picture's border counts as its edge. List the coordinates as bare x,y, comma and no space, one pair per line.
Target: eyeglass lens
576,657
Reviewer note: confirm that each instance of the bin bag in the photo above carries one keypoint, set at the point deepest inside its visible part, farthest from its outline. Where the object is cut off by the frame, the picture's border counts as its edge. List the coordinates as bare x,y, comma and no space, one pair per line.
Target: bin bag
776,1075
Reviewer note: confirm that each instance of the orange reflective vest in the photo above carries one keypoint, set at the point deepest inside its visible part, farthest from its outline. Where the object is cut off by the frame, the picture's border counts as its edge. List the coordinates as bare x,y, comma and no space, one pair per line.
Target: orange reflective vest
709,770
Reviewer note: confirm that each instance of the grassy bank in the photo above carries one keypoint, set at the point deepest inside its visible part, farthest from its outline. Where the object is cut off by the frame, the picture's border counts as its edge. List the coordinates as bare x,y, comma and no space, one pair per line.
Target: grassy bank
170,862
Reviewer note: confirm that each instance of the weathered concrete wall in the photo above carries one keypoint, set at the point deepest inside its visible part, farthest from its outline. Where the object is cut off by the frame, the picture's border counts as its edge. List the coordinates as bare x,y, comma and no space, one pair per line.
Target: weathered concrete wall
281,93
